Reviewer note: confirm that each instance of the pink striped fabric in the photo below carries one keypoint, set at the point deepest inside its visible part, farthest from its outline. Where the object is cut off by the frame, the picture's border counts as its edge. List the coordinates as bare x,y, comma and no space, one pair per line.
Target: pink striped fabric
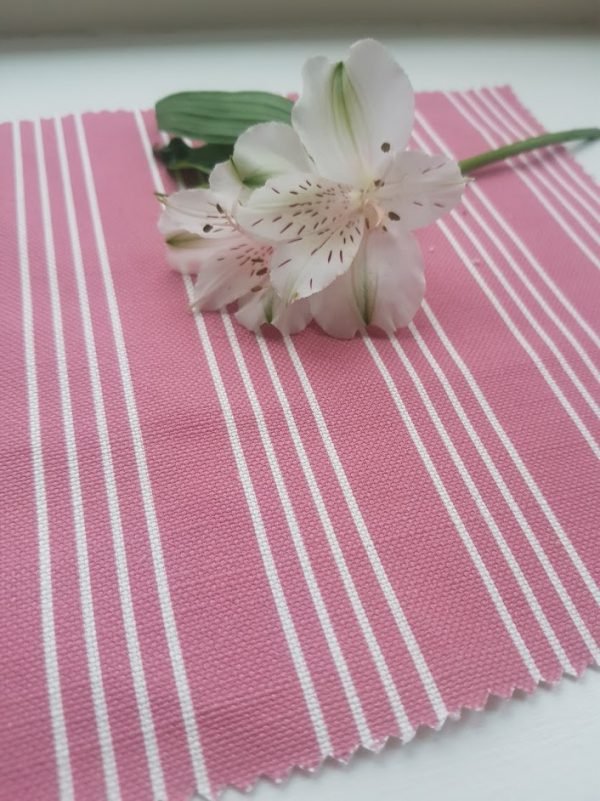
226,556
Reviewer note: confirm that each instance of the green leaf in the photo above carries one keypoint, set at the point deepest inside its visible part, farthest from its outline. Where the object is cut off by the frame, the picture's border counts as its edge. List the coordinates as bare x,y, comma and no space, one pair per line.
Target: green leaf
179,156
219,117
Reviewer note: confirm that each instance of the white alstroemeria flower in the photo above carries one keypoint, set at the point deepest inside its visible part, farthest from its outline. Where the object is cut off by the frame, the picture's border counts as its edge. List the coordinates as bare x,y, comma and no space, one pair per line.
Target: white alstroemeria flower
340,221
203,239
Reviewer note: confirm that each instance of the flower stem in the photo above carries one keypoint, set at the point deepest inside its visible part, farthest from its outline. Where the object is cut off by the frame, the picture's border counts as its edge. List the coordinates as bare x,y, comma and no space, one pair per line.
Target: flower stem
490,156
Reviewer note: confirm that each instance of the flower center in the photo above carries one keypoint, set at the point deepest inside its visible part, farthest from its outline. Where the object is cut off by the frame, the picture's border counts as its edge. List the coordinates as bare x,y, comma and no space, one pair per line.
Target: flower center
374,214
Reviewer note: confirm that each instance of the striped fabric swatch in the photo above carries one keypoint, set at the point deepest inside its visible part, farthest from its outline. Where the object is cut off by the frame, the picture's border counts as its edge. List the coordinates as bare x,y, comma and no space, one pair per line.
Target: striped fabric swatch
224,556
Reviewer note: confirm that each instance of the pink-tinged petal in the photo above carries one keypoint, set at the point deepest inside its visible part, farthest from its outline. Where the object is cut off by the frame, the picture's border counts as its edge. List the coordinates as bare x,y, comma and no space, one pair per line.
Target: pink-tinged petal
267,150
266,307
297,205
383,288
186,252
196,211
419,188
352,114
308,264
254,310
230,273
291,318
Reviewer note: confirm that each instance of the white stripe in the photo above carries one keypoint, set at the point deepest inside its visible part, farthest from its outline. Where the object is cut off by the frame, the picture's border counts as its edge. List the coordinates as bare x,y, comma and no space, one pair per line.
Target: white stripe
546,167
582,353
400,618
85,587
303,557
514,237
304,677
565,164
57,716
287,623
452,511
512,504
485,512
580,425
585,357
514,455
522,175
164,596
575,558
129,622
361,615
541,332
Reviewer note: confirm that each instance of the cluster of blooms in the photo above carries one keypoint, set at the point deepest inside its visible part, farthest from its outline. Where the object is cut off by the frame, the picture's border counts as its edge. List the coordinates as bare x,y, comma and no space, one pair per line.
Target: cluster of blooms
313,220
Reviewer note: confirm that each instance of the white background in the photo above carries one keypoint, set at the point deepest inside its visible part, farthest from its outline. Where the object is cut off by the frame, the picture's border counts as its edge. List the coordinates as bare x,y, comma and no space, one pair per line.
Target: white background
544,746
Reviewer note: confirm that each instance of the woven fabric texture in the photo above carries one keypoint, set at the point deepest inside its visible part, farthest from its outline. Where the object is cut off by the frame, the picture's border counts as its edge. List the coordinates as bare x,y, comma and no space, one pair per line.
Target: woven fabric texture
224,556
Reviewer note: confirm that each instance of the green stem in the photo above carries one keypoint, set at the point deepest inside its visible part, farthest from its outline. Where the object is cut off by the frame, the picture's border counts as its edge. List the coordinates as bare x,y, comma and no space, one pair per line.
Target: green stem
490,156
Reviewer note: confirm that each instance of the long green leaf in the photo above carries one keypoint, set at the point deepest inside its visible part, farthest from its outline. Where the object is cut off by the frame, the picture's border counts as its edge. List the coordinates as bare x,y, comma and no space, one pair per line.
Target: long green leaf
219,117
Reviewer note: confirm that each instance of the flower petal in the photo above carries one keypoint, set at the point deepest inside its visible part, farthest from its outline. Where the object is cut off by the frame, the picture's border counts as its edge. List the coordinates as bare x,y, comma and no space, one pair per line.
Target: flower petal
267,150
254,310
308,264
194,229
419,188
291,318
297,205
186,252
196,211
230,273
351,114
383,288
227,185
266,307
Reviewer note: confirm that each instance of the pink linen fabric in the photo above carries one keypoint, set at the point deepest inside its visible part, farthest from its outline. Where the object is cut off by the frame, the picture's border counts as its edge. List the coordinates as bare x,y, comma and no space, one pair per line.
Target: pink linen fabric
225,556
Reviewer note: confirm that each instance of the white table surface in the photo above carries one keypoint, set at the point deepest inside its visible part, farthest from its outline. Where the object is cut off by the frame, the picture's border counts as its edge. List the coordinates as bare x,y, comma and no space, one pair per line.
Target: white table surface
543,746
